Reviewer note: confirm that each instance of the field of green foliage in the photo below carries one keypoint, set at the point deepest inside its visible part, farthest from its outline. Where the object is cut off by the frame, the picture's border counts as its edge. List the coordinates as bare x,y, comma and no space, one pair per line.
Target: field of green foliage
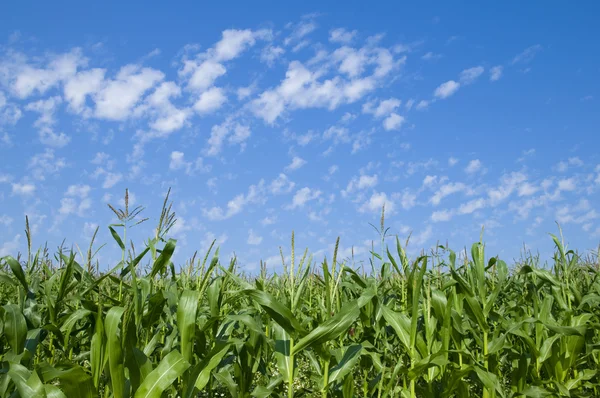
440,325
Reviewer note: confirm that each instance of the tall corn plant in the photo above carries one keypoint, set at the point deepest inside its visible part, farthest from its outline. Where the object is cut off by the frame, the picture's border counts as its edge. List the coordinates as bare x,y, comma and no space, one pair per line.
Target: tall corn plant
440,325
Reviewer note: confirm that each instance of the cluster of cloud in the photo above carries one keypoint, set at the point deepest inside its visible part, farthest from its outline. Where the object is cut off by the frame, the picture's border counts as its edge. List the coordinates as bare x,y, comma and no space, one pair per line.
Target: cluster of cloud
349,78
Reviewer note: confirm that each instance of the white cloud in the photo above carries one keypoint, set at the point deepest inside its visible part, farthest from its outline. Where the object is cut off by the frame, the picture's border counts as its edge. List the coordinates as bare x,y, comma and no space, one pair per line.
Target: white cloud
118,97
167,118
100,158
82,85
5,220
177,162
10,247
578,214
431,56
527,55
202,71
445,90
452,161
567,184
45,163
23,189
47,108
423,237
366,181
441,216
270,54
269,220
446,190
301,139
352,62
10,113
297,162
76,201
244,92
393,122
474,166
302,196
210,101
205,74
527,189
300,30
375,203
80,191
563,166
496,73
408,199
237,204
359,183
341,35
509,183
429,180
337,134
303,88
384,108
472,206
470,75
50,138
180,228
233,132
422,105
30,79
281,184
235,41
209,238
253,238
111,179
105,164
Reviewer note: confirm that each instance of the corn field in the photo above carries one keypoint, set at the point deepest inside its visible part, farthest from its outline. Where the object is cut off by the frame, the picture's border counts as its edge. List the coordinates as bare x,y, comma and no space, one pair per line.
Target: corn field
439,325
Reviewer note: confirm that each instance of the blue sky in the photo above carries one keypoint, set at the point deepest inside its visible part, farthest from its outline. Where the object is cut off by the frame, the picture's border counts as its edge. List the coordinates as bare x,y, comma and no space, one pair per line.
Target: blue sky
305,117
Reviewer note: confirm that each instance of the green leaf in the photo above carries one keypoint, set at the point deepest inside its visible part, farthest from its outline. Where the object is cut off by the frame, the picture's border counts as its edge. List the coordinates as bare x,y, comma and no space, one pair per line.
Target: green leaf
117,238
536,392
330,329
97,348
267,391
165,257
73,380
200,375
477,311
18,271
28,383
489,380
350,358
53,392
65,278
115,351
15,327
70,322
417,281
419,367
400,323
277,311
283,352
186,321
168,370
496,344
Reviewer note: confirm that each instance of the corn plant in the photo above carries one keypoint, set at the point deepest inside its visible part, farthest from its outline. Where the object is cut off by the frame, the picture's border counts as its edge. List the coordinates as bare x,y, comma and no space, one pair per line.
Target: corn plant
443,324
